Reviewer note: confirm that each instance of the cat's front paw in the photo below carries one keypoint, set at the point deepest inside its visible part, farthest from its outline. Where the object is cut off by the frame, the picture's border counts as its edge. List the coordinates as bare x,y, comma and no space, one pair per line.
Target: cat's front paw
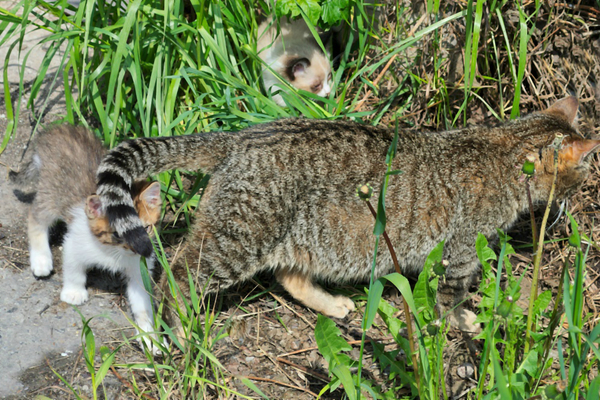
74,295
41,264
465,321
339,307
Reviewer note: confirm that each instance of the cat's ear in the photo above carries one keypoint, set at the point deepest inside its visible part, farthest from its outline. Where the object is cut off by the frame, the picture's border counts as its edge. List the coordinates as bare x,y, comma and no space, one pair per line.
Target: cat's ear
151,195
325,36
300,66
575,150
566,109
93,207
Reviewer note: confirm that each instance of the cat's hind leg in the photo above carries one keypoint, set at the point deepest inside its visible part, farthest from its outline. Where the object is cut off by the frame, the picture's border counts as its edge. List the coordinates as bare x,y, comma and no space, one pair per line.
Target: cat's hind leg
40,255
302,288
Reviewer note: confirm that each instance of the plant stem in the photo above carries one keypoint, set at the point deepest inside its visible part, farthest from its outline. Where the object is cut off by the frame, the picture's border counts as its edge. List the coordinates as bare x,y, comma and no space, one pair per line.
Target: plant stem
411,340
532,216
538,252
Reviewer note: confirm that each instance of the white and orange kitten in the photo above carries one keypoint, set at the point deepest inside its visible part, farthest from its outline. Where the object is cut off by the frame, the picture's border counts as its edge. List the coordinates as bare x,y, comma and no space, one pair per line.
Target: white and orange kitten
291,51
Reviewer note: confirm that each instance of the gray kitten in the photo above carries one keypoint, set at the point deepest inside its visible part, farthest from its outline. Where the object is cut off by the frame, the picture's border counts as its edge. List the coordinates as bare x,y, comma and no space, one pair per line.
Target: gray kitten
282,197
58,179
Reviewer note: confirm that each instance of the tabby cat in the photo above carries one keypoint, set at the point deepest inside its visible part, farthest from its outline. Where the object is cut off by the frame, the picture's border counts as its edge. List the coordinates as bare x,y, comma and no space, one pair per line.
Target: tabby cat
293,53
58,178
281,197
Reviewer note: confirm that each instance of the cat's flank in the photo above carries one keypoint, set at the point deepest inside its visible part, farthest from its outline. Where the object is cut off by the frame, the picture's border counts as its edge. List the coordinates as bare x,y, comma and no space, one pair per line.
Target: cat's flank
290,49
282,197
58,178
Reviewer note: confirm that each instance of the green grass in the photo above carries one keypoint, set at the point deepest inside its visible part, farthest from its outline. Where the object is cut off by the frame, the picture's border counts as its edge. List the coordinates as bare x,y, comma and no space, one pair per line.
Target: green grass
148,68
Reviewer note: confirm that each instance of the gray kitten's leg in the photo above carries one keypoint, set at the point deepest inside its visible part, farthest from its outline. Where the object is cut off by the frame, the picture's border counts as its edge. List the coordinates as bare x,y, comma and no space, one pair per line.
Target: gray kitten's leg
451,292
40,255
74,273
302,288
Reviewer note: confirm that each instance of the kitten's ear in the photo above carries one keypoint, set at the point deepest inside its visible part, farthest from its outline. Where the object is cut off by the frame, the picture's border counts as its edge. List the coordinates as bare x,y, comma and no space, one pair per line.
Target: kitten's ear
151,195
575,150
566,109
325,36
93,207
300,67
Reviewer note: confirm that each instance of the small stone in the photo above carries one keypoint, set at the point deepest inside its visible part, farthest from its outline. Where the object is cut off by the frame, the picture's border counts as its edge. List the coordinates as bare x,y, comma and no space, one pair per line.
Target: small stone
465,371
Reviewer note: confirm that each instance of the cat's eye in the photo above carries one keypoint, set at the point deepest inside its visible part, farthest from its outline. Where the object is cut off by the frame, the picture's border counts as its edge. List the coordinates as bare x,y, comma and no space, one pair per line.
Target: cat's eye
329,77
317,88
150,229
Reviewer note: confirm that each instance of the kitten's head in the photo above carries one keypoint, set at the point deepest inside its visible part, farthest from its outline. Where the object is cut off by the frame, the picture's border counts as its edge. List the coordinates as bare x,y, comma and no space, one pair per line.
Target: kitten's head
311,73
147,203
574,153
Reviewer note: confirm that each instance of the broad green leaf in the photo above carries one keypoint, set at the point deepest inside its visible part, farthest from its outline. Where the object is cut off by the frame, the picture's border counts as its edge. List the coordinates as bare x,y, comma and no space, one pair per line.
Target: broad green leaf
330,342
108,361
501,384
294,8
593,393
574,239
342,372
542,302
435,255
484,253
334,11
530,364
373,303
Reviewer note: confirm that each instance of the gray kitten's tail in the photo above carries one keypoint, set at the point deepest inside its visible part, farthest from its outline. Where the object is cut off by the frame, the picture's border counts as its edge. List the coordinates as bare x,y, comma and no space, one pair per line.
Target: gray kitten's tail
26,179
140,157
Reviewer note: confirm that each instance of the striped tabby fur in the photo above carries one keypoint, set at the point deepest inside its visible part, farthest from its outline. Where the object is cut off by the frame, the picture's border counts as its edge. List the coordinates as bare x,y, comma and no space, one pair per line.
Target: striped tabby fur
282,197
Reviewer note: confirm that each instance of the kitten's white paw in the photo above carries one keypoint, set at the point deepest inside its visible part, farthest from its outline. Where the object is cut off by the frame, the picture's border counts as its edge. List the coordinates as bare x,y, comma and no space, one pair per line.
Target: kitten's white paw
150,344
41,264
465,321
74,295
339,307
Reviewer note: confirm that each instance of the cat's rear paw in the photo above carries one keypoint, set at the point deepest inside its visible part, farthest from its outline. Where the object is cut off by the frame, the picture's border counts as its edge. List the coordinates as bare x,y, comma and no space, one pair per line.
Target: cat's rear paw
465,321
41,264
75,296
339,307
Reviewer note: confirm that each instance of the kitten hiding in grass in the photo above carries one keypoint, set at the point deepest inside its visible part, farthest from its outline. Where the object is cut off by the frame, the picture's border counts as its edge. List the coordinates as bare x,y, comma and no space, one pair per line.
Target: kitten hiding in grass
58,179
282,197
292,52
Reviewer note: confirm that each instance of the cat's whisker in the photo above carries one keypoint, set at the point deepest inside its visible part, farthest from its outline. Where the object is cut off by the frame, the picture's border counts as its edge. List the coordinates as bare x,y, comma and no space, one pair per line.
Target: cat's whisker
560,213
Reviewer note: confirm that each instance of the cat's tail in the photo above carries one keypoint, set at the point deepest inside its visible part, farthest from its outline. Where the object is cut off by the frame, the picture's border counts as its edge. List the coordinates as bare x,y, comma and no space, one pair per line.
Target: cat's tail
25,181
137,158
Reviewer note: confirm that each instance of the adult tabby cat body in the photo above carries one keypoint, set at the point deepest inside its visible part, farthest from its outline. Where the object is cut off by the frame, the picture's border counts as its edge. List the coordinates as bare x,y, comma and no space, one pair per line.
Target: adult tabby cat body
282,197
58,179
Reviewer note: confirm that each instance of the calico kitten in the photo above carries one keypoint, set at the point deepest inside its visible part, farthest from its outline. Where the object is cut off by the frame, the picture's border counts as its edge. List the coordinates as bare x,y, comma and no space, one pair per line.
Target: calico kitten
282,197
58,178
292,52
